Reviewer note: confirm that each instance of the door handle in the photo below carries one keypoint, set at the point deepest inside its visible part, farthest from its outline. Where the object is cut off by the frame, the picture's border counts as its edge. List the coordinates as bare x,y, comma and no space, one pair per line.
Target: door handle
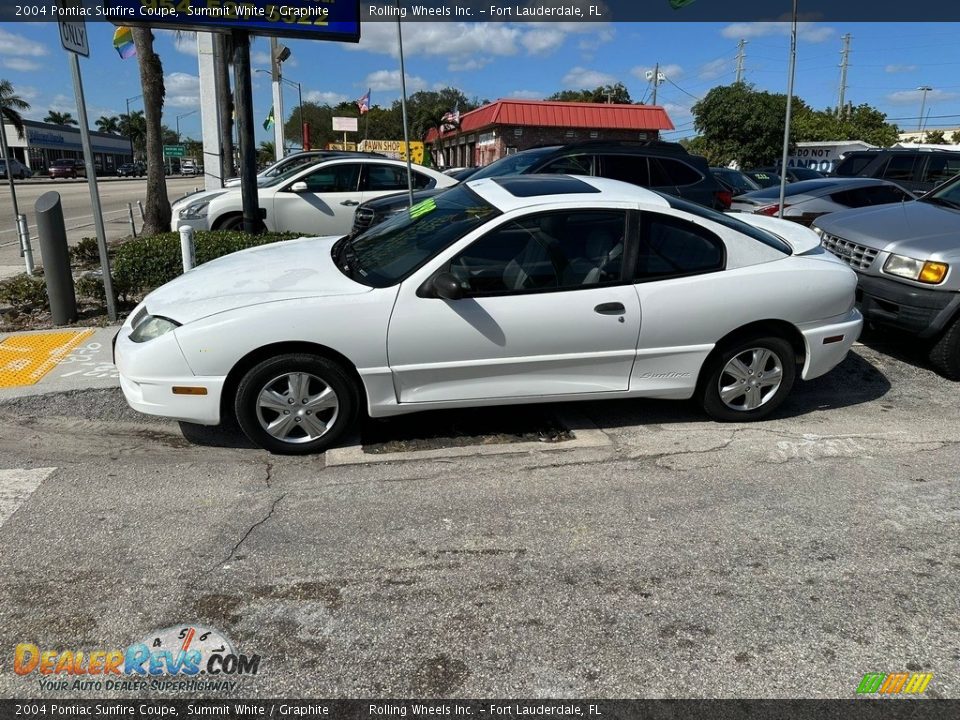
349,202
613,308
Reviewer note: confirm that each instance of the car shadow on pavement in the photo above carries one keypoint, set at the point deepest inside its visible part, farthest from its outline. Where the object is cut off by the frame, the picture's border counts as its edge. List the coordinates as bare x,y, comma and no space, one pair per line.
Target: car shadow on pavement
899,345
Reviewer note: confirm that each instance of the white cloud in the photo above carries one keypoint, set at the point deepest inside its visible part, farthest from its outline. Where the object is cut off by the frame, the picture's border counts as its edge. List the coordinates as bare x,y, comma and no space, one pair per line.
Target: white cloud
595,40
541,41
714,69
390,80
183,90
580,78
806,31
909,97
673,72
27,92
22,64
325,98
11,44
452,40
678,112
900,68
526,95
468,64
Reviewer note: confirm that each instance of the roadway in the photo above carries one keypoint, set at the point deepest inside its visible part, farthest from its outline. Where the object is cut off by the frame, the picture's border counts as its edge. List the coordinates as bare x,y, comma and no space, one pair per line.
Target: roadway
115,193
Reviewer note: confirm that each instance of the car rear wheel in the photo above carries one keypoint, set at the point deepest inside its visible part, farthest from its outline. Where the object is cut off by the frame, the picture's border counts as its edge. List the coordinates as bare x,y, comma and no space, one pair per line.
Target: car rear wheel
296,404
749,379
945,354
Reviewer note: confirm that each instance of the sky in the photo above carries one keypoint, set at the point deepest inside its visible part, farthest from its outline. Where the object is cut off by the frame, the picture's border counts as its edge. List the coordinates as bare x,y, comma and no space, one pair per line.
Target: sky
888,62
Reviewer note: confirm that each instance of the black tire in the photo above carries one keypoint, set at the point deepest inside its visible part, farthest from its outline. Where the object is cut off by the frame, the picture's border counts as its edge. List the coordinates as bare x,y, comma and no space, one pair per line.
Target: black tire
231,222
272,373
945,353
713,404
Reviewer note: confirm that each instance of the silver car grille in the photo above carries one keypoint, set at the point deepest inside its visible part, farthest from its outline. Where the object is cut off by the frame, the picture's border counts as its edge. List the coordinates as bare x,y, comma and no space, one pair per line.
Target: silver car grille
859,257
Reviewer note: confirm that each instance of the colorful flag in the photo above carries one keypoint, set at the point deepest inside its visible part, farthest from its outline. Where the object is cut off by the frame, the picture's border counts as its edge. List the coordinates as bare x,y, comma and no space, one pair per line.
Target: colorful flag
451,120
270,121
364,103
123,42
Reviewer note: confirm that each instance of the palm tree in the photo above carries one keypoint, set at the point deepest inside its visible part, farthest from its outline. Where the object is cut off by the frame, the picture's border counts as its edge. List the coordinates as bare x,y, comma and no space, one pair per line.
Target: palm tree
109,124
157,209
134,127
11,106
265,154
59,118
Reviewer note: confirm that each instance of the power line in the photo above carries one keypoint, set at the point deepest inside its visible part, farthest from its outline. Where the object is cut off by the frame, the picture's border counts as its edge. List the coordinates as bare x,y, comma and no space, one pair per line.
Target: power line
682,90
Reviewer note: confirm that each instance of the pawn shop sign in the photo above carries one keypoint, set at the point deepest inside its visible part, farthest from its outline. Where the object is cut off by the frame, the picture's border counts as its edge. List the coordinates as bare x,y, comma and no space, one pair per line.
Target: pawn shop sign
73,35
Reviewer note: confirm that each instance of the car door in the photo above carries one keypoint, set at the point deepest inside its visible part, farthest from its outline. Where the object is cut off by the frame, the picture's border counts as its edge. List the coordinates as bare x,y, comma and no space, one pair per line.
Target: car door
322,205
386,179
547,311
684,294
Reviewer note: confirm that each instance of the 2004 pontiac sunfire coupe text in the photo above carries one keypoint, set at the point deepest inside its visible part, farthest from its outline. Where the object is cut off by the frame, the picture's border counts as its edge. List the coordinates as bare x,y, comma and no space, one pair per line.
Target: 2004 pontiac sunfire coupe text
511,290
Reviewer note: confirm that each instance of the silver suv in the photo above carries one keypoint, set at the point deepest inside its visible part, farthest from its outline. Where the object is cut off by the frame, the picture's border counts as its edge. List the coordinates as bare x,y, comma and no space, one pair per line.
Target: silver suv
907,260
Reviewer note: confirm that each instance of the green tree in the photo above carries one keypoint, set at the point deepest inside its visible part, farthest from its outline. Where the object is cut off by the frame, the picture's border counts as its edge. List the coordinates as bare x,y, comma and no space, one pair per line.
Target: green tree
157,207
266,152
955,138
60,118
134,128
616,93
108,124
935,137
862,122
11,105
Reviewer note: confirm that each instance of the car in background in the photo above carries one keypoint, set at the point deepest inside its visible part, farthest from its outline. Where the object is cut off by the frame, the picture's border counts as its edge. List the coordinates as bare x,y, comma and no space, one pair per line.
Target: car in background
662,166
64,168
188,168
134,169
318,199
18,170
735,181
806,200
295,160
907,260
795,174
461,174
763,178
916,169
501,291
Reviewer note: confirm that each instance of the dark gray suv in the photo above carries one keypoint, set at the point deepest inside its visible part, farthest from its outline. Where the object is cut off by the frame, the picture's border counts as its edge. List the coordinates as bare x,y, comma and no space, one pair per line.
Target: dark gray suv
916,170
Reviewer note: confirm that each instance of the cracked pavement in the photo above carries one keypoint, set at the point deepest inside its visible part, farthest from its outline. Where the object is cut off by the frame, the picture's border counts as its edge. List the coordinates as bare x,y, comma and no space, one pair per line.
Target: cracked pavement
686,559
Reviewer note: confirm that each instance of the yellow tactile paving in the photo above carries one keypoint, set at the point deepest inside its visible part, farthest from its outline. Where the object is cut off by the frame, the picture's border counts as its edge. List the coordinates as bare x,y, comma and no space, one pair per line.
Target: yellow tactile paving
27,357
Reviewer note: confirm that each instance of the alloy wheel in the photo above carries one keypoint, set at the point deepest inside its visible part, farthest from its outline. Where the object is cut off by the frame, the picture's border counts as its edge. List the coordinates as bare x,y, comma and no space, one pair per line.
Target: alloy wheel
297,407
750,379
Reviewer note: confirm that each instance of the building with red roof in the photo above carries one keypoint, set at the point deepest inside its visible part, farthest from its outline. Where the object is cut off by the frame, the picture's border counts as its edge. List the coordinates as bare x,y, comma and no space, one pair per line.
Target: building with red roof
508,126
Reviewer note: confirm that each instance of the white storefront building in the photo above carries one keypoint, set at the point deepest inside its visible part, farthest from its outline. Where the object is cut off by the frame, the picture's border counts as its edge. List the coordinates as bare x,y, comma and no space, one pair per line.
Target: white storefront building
42,143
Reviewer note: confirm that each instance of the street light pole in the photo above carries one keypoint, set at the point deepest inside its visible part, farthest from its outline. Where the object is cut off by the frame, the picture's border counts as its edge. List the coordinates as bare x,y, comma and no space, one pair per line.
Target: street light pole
786,122
130,125
923,104
178,122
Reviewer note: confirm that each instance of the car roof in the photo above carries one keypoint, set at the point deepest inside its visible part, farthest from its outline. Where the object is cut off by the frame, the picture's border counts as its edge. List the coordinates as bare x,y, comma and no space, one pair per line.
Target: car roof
557,188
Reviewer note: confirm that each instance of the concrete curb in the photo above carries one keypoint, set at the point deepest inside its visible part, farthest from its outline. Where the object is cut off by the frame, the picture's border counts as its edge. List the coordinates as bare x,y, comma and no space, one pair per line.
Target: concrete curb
585,435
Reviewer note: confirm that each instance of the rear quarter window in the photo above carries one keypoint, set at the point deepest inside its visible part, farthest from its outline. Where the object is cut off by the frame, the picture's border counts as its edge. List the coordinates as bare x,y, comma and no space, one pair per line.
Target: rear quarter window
666,171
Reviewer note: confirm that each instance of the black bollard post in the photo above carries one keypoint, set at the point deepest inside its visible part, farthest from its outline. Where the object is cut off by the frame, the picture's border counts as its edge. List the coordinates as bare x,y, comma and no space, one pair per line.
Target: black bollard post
56,258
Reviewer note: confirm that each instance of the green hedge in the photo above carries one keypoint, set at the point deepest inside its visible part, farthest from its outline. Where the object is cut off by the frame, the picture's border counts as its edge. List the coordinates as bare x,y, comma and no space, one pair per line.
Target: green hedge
148,262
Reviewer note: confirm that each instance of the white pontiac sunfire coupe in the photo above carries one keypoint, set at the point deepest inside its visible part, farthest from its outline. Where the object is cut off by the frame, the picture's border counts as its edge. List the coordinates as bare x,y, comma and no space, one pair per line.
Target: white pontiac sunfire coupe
505,290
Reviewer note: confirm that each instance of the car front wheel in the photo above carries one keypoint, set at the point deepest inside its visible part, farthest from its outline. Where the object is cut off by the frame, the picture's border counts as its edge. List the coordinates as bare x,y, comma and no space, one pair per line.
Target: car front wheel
749,379
945,353
296,404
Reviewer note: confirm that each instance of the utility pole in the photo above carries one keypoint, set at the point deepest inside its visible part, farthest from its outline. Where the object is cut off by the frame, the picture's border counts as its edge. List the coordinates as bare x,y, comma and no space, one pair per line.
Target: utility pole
923,104
844,63
741,56
222,51
278,118
656,81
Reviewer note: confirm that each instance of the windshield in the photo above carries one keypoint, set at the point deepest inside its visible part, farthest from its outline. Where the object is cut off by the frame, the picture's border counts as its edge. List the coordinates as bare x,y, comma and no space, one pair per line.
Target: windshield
515,164
803,187
264,181
389,252
948,194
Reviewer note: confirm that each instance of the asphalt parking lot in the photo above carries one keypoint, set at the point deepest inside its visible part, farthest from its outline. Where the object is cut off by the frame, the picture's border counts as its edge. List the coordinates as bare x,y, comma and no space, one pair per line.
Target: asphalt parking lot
676,558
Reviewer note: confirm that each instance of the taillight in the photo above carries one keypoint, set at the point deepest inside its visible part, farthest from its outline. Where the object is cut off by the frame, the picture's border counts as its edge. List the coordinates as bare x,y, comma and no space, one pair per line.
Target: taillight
724,198
770,210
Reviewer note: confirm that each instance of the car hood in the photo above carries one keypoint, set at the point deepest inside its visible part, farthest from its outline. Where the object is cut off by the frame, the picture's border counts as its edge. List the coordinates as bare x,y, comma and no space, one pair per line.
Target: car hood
285,270
916,229
802,239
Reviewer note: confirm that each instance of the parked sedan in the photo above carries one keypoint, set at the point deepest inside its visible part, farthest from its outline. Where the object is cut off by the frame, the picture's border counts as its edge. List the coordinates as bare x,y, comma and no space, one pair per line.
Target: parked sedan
807,200
763,178
313,199
132,170
66,168
734,180
497,291
17,169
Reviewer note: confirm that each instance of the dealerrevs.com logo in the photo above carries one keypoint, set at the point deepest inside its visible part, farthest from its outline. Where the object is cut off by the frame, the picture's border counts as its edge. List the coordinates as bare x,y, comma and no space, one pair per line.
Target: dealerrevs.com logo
894,683
174,658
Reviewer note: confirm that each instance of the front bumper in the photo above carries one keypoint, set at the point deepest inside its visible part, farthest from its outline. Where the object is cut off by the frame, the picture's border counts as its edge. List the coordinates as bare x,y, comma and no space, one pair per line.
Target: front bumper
149,372
196,224
916,310
827,344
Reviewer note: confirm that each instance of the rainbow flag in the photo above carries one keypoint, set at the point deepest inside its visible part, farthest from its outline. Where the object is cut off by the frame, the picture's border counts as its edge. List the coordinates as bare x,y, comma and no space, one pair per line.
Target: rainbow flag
123,42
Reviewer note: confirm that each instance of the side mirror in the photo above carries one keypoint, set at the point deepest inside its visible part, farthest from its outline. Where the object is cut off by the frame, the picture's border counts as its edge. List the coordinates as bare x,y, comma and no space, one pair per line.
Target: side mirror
447,286
299,187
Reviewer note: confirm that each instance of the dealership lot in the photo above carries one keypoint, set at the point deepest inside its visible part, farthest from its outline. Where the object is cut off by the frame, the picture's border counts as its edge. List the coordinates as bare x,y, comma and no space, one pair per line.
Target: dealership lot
681,558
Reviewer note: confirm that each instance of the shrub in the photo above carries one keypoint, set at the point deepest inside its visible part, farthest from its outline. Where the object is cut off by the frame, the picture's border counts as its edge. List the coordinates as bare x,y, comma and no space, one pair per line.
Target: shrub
90,287
149,262
86,253
23,291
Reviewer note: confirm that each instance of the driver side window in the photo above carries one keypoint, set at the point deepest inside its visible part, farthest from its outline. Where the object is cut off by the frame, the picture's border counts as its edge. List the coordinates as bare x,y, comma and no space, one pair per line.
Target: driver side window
333,178
548,251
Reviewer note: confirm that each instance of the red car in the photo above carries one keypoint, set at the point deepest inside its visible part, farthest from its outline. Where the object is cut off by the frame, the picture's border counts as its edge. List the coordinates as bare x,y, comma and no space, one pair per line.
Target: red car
66,168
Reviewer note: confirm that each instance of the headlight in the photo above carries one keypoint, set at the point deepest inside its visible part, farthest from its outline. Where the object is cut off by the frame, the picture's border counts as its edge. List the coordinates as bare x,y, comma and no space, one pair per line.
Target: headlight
820,233
152,327
924,271
195,211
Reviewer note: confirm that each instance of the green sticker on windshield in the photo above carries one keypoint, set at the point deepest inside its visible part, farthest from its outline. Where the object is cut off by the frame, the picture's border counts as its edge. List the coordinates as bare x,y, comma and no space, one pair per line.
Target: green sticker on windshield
422,208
